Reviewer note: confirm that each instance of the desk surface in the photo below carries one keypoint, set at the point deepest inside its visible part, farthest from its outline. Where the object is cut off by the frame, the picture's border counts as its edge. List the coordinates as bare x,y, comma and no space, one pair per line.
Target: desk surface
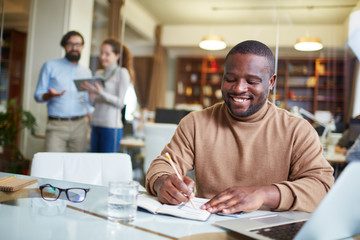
333,157
28,216
132,142
336,158
25,215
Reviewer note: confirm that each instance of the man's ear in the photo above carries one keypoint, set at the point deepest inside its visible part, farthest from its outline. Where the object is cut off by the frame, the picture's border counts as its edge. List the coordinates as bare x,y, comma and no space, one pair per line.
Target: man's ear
272,81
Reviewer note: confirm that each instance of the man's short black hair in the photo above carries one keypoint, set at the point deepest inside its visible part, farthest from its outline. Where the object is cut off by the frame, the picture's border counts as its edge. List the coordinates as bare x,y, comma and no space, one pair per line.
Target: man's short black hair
256,48
68,35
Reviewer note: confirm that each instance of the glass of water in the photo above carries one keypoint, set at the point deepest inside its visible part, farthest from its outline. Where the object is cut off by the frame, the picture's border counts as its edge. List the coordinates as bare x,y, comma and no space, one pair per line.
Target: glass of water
122,201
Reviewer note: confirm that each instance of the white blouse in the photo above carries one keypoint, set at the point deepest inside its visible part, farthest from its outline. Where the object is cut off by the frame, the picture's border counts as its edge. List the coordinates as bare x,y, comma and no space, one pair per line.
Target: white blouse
109,102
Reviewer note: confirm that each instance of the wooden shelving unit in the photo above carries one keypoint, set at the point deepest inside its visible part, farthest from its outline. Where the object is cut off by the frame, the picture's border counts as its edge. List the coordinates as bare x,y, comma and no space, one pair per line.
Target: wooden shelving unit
12,66
199,81
312,84
332,80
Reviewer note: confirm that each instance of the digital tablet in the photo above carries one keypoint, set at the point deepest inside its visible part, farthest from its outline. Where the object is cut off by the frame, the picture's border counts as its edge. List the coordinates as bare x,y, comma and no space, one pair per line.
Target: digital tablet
78,82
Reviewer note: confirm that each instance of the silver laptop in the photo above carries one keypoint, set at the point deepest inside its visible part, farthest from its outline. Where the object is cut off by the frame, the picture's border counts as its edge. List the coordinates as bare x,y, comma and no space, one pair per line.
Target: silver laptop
336,217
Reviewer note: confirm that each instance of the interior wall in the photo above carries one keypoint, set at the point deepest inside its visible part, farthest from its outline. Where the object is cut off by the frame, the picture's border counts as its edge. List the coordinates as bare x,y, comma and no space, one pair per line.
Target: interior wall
80,19
353,33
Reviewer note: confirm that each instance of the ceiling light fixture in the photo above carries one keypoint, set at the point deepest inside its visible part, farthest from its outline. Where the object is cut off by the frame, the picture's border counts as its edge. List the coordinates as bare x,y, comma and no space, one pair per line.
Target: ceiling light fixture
212,43
308,44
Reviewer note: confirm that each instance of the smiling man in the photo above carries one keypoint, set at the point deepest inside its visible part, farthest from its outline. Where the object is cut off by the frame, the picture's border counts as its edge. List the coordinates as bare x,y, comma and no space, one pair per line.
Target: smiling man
247,153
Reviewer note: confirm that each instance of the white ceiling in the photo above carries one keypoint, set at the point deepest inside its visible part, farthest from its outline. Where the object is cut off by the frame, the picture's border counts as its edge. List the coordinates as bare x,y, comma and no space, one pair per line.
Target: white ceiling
220,13
249,11
231,12
215,13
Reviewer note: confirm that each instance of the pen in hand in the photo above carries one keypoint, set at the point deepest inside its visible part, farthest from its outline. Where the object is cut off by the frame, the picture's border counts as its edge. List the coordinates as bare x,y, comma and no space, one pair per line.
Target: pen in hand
178,175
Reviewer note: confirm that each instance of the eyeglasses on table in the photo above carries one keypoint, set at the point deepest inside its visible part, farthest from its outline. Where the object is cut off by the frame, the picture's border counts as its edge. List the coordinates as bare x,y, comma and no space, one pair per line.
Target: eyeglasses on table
51,193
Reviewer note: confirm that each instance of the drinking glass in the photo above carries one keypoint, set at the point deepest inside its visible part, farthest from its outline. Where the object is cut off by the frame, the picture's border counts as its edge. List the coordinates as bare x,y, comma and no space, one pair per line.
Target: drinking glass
122,201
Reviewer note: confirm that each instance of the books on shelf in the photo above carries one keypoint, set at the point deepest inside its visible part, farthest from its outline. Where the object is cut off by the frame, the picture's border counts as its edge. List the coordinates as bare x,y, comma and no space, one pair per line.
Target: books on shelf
183,210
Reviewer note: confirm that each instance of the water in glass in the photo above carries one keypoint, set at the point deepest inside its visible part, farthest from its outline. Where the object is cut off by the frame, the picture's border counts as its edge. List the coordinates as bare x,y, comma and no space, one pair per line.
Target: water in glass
122,201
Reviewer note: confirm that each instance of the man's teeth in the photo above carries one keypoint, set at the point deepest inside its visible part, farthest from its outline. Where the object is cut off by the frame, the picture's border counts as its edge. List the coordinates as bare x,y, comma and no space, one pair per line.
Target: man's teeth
240,99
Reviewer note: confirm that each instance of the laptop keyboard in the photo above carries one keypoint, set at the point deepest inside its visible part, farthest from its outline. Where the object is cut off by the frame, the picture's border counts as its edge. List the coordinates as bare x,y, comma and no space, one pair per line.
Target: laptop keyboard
280,232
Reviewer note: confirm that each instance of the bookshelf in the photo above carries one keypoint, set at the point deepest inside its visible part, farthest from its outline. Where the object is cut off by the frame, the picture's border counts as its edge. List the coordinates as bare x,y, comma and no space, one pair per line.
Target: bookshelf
312,84
199,81
12,67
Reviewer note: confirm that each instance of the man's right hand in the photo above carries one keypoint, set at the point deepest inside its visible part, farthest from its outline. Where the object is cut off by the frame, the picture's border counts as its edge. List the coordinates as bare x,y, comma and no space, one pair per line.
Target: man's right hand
172,190
52,93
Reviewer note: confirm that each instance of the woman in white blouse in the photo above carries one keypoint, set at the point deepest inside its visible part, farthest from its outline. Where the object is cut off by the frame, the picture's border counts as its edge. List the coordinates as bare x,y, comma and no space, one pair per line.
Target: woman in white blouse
106,124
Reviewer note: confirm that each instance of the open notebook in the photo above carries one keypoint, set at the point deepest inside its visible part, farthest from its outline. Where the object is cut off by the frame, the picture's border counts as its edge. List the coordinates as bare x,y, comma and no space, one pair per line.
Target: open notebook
183,210
336,217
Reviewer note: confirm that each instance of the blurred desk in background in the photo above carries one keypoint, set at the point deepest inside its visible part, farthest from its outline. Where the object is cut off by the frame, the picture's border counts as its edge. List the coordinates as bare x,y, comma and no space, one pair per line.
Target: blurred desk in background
131,142
338,161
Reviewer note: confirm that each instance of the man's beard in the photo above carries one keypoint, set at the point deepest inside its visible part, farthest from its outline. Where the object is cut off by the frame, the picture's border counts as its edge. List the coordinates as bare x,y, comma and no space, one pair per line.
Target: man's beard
73,57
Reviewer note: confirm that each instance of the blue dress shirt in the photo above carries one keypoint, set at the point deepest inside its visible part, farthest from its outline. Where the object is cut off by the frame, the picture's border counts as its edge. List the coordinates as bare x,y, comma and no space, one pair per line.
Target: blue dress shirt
59,74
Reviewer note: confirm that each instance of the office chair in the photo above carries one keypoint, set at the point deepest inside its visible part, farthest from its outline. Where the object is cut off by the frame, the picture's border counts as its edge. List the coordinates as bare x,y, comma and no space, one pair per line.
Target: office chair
157,135
89,168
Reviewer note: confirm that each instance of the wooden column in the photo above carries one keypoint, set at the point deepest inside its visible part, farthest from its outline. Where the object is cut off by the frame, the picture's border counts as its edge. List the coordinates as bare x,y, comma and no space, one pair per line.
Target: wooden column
158,76
115,18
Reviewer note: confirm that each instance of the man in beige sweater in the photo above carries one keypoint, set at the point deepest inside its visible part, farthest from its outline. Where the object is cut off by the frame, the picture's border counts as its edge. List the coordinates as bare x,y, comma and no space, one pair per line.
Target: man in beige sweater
246,152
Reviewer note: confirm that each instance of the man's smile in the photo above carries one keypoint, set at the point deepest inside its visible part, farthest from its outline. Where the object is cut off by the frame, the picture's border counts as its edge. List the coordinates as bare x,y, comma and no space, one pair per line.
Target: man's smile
240,99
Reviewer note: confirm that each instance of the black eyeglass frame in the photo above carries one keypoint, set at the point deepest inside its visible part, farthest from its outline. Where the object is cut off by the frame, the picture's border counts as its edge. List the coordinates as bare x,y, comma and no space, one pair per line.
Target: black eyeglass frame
66,190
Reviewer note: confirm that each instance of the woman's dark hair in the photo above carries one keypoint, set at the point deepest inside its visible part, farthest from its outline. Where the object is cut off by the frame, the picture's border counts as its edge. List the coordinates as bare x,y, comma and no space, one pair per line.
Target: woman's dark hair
68,35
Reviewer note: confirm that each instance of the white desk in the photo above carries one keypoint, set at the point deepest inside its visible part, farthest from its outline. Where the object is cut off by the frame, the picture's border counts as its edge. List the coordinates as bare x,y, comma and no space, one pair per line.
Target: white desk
28,216
338,161
131,142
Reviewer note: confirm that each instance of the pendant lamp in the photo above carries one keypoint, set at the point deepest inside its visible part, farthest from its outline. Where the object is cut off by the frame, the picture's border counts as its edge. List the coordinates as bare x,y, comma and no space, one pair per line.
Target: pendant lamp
308,44
212,43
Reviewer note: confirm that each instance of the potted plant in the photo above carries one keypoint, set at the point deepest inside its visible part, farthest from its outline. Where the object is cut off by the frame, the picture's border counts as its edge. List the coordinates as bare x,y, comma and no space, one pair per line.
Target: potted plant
12,121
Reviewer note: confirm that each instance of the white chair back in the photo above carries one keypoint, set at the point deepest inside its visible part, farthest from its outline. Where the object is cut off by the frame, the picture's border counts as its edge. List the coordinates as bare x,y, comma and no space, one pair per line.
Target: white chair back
157,135
89,168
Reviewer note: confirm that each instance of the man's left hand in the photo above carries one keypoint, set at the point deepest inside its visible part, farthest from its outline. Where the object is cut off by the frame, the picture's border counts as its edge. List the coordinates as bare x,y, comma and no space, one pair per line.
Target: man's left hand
243,199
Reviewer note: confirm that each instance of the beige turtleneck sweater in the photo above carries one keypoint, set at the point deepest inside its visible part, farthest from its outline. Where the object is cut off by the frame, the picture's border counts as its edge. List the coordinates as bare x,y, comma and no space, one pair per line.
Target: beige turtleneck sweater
271,146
